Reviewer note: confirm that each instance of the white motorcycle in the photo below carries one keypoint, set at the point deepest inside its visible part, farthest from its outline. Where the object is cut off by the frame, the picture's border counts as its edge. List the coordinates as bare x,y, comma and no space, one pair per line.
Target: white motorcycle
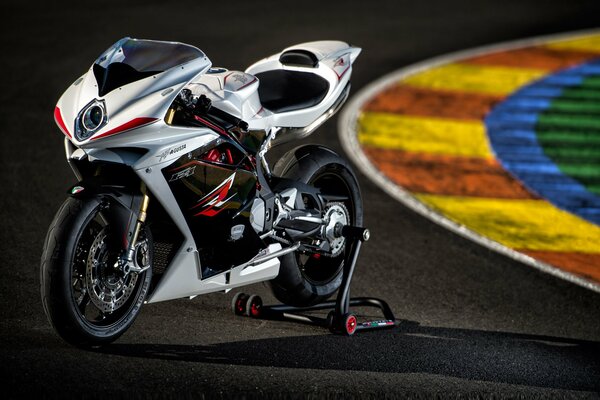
175,197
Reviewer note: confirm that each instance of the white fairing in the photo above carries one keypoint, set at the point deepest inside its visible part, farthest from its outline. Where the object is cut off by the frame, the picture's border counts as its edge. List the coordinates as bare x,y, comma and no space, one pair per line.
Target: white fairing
335,65
231,91
237,92
134,118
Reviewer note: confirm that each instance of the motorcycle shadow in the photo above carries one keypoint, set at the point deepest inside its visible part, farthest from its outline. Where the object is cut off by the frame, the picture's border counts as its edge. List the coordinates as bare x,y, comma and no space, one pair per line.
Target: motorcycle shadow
501,357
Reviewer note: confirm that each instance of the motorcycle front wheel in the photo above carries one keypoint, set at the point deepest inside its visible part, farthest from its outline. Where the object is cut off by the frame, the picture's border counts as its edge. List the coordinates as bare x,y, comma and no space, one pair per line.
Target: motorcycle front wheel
86,299
304,279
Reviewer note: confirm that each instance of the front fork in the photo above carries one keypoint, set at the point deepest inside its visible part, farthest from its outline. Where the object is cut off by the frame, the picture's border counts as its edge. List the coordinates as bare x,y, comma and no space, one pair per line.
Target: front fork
126,262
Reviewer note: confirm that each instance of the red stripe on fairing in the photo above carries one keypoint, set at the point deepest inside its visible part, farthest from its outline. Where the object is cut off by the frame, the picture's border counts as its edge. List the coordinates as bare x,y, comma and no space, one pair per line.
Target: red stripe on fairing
226,76
219,195
342,74
210,212
211,125
59,121
258,112
211,199
247,84
134,123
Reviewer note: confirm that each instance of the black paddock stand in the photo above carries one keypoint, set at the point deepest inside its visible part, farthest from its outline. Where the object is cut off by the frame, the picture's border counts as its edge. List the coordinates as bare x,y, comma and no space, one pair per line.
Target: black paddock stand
339,320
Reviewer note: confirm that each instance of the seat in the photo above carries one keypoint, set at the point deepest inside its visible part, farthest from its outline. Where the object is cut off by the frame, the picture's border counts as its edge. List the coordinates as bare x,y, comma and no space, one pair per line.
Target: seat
280,90
303,58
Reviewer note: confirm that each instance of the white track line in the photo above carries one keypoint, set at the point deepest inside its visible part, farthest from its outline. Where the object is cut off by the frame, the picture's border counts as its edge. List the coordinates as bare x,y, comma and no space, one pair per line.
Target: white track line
348,137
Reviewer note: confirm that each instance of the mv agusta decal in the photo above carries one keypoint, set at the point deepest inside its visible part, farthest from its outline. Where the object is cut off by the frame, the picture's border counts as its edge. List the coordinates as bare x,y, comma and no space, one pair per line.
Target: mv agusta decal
212,203
170,151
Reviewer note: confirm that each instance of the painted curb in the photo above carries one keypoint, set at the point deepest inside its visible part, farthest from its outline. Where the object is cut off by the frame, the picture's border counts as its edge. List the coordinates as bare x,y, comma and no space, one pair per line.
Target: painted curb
347,131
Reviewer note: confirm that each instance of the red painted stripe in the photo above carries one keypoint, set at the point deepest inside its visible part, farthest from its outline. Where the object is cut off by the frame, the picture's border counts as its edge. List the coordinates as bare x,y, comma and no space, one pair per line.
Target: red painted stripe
581,264
220,195
534,57
258,112
447,175
59,121
247,84
134,123
210,212
211,125
407,100
342,74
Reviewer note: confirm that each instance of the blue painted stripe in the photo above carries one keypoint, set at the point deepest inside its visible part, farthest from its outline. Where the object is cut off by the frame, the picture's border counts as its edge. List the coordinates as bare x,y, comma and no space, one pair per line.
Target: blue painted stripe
590,69
518,152
535,166
564,80
511,129
541,91
525,103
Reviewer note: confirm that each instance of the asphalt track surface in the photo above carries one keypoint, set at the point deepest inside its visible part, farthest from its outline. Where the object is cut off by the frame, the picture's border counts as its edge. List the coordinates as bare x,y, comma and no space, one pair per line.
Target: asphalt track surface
472,322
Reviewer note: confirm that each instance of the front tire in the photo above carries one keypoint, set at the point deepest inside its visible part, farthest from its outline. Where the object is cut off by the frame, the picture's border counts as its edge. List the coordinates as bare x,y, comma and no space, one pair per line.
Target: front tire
303,280
87,301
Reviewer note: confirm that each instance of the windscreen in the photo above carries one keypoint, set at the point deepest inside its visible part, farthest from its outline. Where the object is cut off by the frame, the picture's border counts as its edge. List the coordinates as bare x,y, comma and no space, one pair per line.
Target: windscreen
130,60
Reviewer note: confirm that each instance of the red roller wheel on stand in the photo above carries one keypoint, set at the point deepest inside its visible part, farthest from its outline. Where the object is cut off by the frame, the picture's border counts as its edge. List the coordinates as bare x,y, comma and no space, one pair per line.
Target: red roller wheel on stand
238,303
350,324
253,306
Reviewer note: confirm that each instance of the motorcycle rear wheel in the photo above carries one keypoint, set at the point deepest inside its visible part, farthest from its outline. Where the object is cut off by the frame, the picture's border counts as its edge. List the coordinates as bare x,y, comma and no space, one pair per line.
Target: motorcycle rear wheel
306,280
86,300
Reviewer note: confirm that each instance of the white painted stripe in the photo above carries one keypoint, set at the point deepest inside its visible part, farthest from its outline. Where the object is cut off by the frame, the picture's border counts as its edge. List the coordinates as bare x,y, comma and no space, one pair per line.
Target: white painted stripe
348,133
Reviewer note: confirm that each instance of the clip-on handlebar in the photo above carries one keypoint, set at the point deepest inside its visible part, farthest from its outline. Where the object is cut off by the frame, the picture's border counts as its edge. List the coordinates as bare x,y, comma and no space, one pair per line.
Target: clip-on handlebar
202,107
340,320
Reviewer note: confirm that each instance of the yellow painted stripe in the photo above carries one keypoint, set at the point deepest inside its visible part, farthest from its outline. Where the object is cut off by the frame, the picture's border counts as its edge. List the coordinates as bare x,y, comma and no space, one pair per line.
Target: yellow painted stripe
475,78
520,224
424,134
587,43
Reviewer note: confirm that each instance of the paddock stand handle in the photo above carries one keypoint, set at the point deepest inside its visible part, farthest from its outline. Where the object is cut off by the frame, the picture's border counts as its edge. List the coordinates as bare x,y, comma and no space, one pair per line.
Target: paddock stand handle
339,320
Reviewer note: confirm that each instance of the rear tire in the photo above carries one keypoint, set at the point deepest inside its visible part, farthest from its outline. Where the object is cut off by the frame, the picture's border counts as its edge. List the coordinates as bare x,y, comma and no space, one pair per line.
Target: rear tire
304,284
75,235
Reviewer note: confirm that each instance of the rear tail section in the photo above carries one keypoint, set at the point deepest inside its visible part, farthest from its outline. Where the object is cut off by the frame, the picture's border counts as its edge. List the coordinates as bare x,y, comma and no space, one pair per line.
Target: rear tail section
305,84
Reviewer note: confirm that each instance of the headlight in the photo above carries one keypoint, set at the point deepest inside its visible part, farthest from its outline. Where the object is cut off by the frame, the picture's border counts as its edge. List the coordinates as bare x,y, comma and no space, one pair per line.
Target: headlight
91,118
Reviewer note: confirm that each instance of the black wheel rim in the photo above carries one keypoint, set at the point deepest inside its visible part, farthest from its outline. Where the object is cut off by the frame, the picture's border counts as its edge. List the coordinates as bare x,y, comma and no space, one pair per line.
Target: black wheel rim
316,268
94,260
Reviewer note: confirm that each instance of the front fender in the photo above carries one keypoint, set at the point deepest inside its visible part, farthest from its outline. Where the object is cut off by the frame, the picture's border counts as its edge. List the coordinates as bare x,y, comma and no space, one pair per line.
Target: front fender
122,204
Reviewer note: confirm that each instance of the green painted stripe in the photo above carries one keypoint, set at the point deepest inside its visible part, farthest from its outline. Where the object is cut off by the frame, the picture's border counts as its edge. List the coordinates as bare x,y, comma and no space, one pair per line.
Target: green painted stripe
591,82
551,138
575,106
569,132
589,172
577,93
594,188
582,154
549,119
